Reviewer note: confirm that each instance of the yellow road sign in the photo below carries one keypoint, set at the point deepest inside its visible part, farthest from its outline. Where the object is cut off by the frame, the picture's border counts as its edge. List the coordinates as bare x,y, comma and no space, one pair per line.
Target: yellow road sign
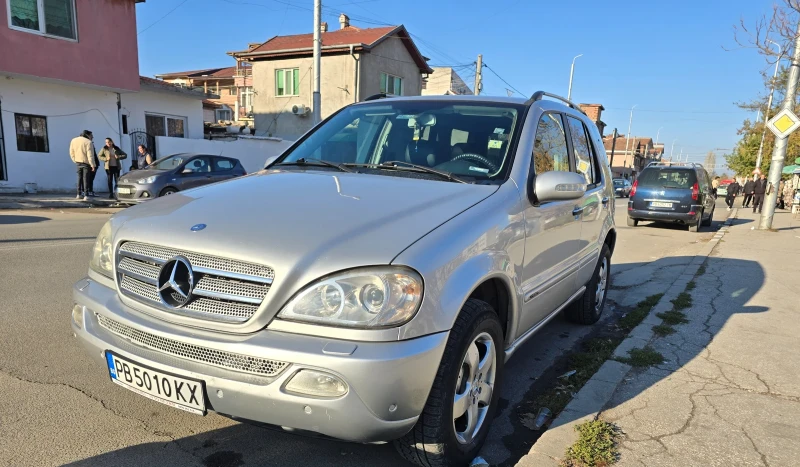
783,123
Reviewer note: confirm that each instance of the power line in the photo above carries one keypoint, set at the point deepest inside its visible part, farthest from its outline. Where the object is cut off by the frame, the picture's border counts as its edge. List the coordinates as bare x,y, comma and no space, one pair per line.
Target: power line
501,79
159,19
678,111
115,130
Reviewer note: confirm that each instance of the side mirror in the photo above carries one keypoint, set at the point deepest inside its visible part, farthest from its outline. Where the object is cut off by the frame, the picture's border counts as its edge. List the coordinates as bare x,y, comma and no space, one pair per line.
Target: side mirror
559,186
270,160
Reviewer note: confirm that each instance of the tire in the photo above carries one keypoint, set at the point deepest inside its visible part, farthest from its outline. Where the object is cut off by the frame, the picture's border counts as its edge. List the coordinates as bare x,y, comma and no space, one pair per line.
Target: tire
167,191
589,307
433,442
694,227
632,222
707,223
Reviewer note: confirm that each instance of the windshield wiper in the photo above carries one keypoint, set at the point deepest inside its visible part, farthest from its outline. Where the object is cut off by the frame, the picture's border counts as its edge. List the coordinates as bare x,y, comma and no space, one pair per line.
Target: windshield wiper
318,162
402,165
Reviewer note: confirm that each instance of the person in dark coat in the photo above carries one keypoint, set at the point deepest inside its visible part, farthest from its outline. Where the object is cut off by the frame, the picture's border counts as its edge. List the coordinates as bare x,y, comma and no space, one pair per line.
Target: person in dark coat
733,190
759,190
748,193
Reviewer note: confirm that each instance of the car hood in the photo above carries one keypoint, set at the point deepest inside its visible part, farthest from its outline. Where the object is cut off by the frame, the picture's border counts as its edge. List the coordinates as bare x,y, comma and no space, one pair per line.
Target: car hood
303,224
133,176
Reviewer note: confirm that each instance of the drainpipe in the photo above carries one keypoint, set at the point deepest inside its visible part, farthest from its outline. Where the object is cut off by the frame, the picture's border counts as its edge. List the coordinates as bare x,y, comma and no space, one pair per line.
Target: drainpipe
119,119
358,71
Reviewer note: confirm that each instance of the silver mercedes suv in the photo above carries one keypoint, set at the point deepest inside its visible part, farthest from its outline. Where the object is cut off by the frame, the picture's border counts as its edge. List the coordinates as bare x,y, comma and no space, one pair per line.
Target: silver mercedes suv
370,282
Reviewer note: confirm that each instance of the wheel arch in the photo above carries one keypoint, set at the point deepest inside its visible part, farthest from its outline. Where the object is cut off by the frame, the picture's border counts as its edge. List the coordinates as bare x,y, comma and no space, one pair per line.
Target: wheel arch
168,187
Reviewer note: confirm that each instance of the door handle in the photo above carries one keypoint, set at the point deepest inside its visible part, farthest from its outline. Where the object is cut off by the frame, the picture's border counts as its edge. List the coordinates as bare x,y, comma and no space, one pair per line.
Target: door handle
577,211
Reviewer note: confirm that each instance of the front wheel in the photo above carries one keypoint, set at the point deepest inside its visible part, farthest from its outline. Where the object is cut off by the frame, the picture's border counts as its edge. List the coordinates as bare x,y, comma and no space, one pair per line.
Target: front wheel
463,400
168,191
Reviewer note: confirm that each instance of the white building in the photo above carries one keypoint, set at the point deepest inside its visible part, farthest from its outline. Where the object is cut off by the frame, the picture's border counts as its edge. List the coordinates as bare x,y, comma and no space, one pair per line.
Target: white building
444,81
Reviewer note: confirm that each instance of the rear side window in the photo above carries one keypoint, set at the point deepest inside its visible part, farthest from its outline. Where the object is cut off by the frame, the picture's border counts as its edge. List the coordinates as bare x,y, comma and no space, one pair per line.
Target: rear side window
222,165
583,151
550,150
667,178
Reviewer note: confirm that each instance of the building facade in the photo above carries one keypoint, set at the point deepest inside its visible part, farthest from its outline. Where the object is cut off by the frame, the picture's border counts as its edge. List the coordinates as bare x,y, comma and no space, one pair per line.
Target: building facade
444,81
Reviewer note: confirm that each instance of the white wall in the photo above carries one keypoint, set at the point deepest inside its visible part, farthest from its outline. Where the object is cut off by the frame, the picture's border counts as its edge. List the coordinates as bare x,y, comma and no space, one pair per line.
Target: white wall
252,152
69,110
170,103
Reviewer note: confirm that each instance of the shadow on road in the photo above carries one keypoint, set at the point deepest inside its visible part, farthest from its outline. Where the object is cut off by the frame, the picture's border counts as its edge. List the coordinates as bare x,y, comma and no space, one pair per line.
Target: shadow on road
17,219
242,444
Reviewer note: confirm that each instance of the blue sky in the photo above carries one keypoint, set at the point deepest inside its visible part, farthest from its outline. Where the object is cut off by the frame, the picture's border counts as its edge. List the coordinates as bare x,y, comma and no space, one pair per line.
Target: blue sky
666,57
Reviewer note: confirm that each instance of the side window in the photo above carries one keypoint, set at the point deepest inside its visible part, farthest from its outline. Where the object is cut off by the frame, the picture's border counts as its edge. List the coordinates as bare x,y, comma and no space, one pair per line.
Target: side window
550,149
222,165
583,151
199,165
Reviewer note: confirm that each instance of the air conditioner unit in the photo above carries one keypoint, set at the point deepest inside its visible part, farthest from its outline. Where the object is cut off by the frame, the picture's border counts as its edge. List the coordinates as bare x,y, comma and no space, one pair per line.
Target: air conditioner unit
300,110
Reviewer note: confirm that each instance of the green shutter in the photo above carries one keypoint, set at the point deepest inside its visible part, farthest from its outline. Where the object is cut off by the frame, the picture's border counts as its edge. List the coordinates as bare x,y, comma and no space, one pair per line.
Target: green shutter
279,89
398,87
383,82
296,90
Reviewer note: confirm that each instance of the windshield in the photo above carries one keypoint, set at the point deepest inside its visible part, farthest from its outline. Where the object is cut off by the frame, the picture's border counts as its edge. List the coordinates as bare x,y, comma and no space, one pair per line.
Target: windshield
167,163
619,183
468,140
668,178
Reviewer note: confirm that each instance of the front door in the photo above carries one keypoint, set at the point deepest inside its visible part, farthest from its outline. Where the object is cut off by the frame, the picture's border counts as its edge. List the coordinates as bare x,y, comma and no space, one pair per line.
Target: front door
195,173
553,232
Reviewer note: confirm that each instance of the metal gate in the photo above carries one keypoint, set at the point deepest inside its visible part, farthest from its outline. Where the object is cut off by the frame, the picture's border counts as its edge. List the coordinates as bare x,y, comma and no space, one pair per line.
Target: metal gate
141,137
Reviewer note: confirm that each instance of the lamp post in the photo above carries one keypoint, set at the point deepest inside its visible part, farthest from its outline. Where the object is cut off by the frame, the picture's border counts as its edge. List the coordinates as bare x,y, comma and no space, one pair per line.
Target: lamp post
672,150
572,72
628,138
658,134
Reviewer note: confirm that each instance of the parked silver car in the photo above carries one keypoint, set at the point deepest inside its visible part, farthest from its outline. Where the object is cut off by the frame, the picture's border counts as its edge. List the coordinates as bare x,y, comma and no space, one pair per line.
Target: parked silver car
176,173
377,278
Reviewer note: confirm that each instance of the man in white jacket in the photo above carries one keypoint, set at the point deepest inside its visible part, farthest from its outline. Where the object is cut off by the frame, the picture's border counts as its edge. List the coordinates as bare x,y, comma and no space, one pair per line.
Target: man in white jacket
81,152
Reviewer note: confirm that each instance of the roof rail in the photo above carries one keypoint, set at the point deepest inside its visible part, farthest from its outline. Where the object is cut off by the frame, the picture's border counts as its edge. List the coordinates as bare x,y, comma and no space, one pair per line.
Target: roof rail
678,164
538,95
373,97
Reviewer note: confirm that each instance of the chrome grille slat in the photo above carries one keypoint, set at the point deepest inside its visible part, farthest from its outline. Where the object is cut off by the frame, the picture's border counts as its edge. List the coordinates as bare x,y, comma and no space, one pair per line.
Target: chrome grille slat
140,288
139,268
232,288
228,360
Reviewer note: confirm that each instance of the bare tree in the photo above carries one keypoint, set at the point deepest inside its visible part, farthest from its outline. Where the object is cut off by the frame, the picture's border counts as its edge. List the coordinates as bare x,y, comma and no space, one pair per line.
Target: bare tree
780,26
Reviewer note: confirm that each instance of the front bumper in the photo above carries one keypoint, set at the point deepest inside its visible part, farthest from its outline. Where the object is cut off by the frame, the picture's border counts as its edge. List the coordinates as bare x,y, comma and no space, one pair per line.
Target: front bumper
665,216
138,193
388,382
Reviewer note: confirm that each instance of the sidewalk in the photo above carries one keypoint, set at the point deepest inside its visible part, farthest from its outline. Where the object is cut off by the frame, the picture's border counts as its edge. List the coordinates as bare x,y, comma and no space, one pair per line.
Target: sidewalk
728,393
53,200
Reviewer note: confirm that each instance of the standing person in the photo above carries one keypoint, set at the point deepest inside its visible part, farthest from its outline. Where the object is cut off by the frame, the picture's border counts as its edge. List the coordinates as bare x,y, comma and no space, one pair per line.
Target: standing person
111,155
788,194
714,186
81,153
779,201
748,192
733,190
144,158
759,190
93,173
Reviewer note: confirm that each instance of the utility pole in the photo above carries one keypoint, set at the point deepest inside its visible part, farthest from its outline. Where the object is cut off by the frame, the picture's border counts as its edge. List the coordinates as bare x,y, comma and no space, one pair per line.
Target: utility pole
769,107
317,52
613,146
779,153
479,75
572,72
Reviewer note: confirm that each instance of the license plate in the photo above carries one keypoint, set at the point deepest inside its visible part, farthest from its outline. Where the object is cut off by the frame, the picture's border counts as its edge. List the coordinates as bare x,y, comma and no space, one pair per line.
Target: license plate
123,191
181,393
659,204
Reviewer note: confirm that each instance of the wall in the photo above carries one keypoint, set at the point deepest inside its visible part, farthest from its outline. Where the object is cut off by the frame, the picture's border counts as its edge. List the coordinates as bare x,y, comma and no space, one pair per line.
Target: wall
106,35
392,57
252,152
172,103
69,110
273,114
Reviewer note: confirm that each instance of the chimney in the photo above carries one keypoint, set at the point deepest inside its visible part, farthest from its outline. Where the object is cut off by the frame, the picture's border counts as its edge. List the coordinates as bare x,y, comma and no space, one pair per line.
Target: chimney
344,21
593,111
323,27
253,45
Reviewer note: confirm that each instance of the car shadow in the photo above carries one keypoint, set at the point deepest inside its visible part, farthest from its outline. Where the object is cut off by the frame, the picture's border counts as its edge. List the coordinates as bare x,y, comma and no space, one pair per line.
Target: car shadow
12,219
245,444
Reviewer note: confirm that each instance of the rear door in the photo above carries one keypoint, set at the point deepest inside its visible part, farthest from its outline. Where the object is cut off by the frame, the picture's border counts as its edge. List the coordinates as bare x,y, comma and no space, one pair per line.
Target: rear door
665,189
222,168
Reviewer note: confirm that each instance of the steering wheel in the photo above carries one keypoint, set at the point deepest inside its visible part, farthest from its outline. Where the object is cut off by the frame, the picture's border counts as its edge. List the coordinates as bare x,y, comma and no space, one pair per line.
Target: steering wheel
477,158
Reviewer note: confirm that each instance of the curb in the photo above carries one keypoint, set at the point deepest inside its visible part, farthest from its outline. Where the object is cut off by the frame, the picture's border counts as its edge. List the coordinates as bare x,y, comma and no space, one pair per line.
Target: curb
595,394
18,203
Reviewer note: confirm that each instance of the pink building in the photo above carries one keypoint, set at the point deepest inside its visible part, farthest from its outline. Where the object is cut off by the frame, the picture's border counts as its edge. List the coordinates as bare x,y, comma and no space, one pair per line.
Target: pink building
72,65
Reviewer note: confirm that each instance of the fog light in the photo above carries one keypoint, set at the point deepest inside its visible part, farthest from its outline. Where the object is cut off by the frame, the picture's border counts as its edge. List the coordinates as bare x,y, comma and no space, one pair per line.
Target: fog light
77,315
145,195
316,383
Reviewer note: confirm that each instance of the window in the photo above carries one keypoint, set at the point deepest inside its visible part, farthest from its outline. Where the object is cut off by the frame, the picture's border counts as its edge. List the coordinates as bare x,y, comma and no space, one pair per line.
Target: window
124,124
583,151
246,98
224,114
667,178
199,165
31,133
391,85
550,149
222,165
287,82
50,17
163,125
233,90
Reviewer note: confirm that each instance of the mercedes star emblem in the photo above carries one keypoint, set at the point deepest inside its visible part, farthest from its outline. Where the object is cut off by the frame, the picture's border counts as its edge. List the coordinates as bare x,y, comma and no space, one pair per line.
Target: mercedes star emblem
176,282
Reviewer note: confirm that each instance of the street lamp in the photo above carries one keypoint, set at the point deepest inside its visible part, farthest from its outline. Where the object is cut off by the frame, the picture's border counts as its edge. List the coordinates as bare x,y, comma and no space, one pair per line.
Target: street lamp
672,150
628,138
572,72
658,134
769,104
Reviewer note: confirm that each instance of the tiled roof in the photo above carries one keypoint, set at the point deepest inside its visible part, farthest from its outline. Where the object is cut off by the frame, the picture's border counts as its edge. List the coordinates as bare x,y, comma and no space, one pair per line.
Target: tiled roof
632,143
189,74
164,86
300,44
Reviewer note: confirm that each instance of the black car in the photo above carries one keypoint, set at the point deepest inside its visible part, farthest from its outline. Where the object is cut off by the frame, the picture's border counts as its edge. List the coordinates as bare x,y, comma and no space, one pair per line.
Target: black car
666,192
622,188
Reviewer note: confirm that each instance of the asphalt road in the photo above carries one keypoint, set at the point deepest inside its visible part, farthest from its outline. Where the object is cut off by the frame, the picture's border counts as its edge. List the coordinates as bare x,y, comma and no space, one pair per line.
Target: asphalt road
59,408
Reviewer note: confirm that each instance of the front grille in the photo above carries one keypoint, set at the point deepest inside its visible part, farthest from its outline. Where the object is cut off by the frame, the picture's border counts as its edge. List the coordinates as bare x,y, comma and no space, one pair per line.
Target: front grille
219,358
224,290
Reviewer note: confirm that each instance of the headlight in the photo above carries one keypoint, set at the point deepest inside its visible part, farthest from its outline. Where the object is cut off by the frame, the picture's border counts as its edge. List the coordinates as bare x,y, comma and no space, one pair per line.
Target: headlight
366,298
147,180
102,253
